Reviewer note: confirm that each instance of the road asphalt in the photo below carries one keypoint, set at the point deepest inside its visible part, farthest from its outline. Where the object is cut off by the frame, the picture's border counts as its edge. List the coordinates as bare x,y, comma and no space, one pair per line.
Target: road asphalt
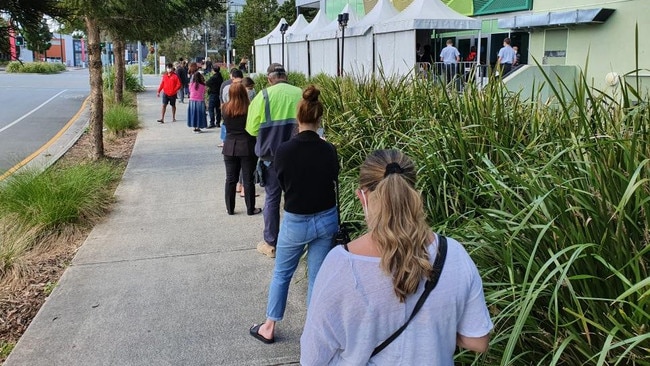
168,278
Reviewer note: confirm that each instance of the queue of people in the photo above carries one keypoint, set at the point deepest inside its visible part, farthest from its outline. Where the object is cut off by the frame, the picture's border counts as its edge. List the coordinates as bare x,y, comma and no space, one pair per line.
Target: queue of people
424,287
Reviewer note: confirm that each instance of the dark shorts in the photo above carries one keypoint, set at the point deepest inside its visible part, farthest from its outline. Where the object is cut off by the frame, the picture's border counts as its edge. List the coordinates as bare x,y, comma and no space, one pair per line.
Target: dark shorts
166,99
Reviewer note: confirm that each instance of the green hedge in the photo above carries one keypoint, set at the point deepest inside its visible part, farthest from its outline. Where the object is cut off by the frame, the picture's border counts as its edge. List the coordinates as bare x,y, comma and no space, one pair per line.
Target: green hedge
35,67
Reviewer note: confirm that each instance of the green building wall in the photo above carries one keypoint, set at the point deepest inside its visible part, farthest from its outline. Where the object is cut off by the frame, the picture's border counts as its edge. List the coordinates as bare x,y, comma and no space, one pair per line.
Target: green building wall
605,48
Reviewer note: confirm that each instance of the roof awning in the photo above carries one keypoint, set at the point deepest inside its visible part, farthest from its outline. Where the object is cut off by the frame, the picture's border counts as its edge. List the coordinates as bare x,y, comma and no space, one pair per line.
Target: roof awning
557,18
308,4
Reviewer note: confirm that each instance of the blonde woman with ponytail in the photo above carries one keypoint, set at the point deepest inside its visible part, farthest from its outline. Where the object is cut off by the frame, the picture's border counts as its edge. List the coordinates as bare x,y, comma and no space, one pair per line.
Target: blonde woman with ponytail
367,289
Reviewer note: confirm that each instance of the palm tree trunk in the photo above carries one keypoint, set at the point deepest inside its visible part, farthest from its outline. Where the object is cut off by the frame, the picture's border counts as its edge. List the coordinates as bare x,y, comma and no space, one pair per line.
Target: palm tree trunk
96,89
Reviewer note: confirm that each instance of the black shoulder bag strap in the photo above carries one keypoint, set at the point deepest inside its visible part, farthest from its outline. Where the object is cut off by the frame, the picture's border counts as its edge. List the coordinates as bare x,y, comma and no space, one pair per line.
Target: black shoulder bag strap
438,263
338,202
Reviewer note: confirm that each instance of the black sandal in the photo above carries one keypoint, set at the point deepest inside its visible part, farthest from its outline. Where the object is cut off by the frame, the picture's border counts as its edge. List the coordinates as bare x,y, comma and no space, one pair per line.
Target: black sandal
255,212
254,331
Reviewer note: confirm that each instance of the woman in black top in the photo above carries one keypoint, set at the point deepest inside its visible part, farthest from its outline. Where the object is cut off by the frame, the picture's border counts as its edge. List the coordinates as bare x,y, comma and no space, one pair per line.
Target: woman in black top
307,168
238,149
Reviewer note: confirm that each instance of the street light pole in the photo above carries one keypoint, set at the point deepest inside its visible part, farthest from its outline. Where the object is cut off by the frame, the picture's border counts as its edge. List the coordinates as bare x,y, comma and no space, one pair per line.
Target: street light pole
205,38
343,22
228,34
283,30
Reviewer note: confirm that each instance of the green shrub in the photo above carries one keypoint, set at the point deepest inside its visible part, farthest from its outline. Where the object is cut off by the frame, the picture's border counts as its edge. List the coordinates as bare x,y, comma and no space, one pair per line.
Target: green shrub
552,204
35,67
118,118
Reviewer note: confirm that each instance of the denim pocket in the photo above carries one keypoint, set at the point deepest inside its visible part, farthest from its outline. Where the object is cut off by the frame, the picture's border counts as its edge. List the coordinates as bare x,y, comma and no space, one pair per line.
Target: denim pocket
294,230
327,224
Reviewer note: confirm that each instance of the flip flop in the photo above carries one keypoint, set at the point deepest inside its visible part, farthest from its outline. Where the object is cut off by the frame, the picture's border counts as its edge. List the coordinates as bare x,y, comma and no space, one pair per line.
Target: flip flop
254,332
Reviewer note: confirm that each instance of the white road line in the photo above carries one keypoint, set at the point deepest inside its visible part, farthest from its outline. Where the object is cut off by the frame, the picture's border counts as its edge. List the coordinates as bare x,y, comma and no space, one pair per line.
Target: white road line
32,111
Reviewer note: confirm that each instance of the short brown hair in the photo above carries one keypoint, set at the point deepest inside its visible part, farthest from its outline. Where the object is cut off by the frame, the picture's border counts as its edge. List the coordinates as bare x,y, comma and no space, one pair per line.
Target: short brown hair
310,109
237,104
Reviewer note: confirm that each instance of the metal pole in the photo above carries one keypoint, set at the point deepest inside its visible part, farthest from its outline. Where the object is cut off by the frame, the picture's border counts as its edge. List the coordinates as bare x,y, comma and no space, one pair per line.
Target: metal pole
228,34
155,58
252,60
283,49
342,48
205,37
140,63
479,76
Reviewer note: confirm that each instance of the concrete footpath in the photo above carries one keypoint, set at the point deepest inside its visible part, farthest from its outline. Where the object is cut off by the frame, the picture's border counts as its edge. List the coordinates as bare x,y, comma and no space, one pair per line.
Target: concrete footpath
168,278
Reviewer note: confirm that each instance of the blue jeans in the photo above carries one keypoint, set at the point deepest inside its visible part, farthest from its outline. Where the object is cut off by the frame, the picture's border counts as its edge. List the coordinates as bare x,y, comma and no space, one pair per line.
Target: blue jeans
182,92
271,213
315,231
223,132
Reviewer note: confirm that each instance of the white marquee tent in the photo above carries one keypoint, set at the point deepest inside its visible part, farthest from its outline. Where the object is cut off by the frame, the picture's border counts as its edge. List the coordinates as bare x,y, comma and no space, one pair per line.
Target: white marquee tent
395,38
293,63
297,44
324,45
314,48
264,53
359,39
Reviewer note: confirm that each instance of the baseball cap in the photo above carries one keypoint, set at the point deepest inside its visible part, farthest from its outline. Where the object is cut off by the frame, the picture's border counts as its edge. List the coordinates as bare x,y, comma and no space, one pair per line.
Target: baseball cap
275,68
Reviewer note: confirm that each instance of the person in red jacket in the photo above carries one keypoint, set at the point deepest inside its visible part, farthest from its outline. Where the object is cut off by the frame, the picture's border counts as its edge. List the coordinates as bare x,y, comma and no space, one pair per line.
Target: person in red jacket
169,85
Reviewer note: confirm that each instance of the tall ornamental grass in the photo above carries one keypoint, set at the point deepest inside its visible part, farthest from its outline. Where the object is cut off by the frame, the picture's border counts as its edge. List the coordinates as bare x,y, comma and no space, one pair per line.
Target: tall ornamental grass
119,118
36,206
131,81
551,200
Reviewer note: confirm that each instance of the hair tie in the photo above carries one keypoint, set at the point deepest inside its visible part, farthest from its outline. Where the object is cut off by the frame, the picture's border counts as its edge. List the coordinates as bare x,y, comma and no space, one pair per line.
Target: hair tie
393,168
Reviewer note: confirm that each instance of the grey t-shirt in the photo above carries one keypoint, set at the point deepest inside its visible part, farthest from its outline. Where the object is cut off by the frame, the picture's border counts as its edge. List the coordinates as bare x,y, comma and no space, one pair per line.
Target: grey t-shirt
353,308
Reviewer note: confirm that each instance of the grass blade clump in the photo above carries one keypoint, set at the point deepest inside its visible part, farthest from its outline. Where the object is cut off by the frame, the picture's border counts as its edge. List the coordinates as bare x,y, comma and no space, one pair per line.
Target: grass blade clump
119,118
70,195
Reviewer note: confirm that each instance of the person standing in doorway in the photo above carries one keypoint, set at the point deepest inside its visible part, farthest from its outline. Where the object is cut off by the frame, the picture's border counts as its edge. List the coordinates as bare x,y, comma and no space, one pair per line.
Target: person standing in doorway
507,57
517,56
450,57
169,85
272,119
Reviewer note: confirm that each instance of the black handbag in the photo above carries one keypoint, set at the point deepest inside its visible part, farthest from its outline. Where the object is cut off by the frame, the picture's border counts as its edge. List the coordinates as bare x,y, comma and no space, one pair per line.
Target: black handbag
431,283
342,236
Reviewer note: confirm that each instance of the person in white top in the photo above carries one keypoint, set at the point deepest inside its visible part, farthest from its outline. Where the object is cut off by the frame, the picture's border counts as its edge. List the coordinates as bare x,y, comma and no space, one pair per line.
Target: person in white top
506,57
367,289
450,57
